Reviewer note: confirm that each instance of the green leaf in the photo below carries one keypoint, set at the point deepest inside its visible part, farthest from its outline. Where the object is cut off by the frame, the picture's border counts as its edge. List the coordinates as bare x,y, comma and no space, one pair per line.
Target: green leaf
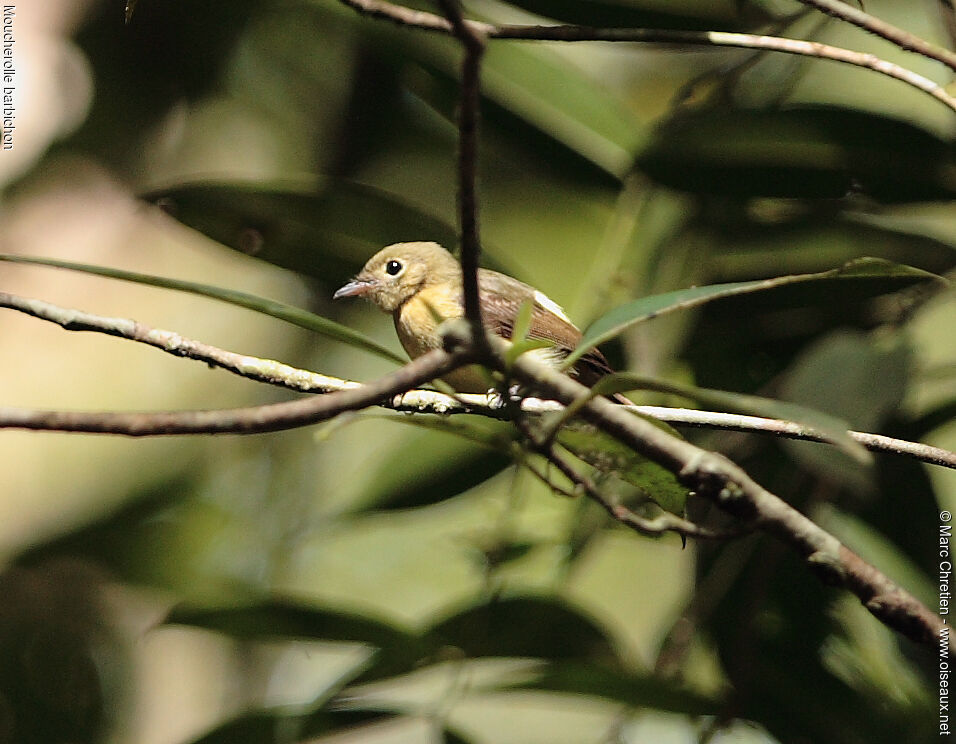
286,618
533,83
621,318
476,451
544,627
799,152
833,429
398,649
488,433
125,540
288,313
540,86
852,376
635,13
516,349
632,689
324,228
610,457
522,322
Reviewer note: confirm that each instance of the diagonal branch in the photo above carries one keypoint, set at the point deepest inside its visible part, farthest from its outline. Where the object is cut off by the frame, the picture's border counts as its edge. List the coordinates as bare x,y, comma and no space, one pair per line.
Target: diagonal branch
254,368
879,27
249,420
569,33
714,477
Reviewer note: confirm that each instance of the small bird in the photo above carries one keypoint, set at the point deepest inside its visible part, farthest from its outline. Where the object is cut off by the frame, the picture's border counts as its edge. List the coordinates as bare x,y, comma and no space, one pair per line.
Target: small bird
420,284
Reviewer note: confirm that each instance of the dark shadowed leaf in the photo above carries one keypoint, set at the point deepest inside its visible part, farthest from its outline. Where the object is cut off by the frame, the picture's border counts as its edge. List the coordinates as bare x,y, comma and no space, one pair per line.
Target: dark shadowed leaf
119,539
454,737
630,688
398,649
544,627
832,375
325,228
533,86
283,618
477,450
810,151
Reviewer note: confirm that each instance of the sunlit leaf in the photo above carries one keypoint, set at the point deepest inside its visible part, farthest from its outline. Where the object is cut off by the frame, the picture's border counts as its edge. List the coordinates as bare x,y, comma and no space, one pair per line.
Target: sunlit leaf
280,310
276,727
608,456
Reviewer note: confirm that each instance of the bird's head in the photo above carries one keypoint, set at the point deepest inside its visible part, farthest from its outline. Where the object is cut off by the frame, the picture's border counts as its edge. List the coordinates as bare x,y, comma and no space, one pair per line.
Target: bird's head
398,272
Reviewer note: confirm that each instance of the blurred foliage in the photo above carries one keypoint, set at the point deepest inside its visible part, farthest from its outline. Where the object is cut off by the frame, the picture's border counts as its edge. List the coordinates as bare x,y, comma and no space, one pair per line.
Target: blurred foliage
620,180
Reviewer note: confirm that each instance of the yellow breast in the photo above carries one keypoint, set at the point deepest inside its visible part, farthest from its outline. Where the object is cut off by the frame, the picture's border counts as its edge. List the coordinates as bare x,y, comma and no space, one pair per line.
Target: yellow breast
417,320
417,324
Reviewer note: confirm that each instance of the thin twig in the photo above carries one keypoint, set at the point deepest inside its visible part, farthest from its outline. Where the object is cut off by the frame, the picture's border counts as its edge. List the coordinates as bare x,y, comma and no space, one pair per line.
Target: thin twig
792,430
570,33
879,27
473,41
249,420
254,368
427,401
661,524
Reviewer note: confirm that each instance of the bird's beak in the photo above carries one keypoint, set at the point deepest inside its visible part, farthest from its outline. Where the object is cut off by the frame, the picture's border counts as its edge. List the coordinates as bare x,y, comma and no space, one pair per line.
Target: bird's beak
355,288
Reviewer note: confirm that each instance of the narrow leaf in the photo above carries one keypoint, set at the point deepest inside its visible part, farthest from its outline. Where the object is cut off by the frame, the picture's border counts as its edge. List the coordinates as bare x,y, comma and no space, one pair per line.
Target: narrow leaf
621,318
545,627
280,310
633,689
608,456
280,618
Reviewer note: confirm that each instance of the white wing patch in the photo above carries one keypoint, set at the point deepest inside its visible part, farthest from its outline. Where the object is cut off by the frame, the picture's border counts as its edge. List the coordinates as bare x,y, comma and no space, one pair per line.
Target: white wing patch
549,355
550,305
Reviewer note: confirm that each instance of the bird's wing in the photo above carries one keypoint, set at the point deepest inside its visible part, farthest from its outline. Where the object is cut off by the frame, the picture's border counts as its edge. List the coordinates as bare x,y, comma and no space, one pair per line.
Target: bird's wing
502,297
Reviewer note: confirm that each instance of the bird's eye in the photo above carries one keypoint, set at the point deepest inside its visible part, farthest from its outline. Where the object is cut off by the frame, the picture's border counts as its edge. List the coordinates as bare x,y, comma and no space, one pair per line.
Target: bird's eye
393,267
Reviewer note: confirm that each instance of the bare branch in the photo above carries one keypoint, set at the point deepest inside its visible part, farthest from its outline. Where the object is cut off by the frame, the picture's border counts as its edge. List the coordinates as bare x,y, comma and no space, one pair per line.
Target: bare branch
250,420
791,430
426,401
568,33
254,368
879,27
